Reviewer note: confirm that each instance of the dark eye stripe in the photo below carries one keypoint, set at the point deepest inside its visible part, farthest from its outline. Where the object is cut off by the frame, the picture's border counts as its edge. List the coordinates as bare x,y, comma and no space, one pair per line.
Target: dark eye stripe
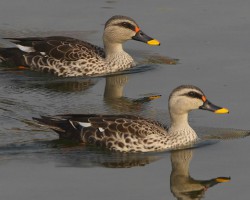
126,25
194,95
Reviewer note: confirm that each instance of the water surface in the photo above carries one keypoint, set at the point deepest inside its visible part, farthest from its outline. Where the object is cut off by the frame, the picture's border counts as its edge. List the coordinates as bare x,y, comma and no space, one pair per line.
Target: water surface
210,41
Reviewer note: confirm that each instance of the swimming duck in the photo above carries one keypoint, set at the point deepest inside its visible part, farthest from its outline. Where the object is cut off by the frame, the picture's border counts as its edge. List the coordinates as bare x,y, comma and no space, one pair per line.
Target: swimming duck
129,133
69,57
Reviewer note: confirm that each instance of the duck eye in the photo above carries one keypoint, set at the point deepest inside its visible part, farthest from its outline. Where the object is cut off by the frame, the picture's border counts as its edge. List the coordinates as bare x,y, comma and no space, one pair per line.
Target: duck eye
127,25
194,95
191,94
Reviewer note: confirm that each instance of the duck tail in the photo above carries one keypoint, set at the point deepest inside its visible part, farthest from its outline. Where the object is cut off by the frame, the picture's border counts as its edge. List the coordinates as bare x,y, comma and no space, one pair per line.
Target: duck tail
12,57
65,128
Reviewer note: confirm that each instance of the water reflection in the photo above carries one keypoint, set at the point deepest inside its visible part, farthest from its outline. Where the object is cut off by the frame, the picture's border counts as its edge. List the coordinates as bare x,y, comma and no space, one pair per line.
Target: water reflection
182,185
92,157
114,95
71,85
66,154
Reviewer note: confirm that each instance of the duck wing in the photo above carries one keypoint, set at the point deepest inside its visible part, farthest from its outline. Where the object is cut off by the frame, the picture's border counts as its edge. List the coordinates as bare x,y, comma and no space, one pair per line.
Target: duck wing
58,47
85,126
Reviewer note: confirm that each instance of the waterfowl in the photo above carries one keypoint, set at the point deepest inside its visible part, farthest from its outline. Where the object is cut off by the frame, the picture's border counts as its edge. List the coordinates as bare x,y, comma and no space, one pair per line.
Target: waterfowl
129,133
69,57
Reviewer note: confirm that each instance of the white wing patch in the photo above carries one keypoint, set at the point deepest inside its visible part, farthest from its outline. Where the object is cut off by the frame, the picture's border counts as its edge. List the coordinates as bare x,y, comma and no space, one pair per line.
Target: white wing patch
72,124
26,49
85,124
101,129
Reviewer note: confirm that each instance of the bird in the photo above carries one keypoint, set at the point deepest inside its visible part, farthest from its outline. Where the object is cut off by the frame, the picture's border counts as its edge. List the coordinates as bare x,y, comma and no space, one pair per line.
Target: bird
131,133
70,57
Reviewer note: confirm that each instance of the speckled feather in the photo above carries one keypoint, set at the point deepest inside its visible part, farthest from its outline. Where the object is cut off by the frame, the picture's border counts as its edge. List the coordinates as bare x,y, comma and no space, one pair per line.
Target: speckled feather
120,132
62,56
69,57
128,133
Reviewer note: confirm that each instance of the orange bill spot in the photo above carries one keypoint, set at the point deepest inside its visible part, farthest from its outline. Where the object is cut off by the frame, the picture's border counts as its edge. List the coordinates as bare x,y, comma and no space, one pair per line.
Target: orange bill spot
22,67
204,98
137,29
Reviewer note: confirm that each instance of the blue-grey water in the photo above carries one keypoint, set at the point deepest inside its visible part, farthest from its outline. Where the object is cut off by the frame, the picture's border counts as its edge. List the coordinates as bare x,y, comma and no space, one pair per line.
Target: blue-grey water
210,40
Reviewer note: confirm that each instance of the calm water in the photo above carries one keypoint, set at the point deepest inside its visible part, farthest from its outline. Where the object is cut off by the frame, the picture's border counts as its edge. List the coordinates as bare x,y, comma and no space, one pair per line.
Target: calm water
211,41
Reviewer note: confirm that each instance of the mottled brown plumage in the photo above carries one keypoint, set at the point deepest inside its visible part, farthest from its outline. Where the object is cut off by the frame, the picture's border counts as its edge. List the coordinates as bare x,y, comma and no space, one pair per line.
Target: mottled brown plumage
128,133
65,56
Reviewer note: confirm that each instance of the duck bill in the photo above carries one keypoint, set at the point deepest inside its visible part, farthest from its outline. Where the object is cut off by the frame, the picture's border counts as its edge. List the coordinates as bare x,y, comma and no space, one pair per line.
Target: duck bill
142,37
207,105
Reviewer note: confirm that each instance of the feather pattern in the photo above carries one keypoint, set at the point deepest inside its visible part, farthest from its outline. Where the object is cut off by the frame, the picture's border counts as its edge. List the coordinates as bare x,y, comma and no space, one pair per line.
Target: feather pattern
69,57
119,132
129,133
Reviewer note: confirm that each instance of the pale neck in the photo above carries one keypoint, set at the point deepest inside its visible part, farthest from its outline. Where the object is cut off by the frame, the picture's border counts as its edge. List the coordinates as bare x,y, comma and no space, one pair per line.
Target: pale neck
180,128
179,121
112,48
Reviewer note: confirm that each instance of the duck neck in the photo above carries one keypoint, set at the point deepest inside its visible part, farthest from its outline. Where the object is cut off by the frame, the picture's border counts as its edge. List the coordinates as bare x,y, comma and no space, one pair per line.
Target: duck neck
179,121
116,58
180,128
112,49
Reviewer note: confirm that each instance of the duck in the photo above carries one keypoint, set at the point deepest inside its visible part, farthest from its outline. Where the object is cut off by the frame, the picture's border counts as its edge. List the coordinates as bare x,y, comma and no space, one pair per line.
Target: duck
131,133
70,57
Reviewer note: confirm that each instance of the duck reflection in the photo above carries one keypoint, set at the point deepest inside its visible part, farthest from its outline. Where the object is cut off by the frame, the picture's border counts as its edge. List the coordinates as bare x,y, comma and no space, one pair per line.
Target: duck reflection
182,185
87,156
113,92
114,95
73,85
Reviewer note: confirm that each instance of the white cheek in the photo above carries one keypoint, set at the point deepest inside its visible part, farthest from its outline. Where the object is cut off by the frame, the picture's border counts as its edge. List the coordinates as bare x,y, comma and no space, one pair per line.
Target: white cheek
198,103
181,106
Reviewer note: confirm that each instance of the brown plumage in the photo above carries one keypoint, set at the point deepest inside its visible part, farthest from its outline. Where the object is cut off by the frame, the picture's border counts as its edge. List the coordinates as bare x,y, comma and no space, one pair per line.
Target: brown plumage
128,133
68,57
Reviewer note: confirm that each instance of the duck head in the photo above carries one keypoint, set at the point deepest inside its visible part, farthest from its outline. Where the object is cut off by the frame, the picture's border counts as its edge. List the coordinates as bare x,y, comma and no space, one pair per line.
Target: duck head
185,98
119,29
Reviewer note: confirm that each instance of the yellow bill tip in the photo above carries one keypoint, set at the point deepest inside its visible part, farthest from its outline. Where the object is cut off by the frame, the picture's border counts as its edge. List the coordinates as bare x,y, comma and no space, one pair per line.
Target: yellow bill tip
223,179
222,111
153,42
154,97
